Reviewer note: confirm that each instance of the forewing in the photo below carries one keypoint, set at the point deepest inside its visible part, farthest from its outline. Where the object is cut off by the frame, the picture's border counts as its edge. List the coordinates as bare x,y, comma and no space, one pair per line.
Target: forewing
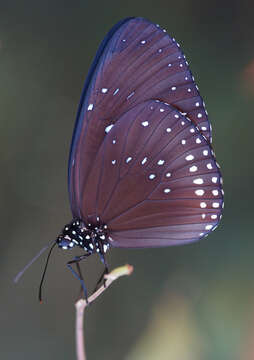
137,61
155,181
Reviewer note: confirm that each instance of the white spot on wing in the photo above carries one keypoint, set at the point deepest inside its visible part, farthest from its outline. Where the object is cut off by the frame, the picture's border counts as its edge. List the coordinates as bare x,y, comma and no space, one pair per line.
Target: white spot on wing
90,107
208,227
198,181
216,205
145,123
108,128
193,168
152,176
131,94
144,161
189,157
199,192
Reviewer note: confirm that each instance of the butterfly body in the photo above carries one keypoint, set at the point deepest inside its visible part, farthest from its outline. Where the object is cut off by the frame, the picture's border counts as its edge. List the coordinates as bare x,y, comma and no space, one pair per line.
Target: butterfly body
93,238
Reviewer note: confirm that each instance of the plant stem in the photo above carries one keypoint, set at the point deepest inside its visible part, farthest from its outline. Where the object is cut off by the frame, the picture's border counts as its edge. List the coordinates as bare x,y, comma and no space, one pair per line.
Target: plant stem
81,305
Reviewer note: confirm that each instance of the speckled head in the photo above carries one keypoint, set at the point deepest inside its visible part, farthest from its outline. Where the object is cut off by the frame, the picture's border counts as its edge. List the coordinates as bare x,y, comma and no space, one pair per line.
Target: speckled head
91,238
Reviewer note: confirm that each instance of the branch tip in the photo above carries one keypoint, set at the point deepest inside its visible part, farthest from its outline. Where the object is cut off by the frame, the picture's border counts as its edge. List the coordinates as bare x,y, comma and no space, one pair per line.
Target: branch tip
82,303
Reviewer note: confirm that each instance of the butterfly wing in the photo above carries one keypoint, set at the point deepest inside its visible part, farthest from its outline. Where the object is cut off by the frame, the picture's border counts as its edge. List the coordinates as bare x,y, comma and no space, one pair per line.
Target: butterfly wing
154,181
137,61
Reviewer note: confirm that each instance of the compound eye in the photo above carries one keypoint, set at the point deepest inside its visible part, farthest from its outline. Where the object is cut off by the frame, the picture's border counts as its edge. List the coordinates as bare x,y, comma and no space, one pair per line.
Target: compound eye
64,242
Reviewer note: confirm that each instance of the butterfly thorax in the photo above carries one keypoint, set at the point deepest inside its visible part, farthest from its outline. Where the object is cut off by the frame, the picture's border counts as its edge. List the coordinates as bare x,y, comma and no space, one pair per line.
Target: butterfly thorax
91,238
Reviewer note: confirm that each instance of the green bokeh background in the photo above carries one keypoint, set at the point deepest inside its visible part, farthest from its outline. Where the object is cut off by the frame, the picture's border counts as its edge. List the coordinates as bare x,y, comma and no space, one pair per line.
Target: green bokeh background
191,302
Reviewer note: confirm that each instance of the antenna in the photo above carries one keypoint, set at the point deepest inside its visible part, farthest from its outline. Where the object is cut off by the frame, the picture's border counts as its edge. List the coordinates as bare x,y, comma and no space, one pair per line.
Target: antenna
20,274
44,272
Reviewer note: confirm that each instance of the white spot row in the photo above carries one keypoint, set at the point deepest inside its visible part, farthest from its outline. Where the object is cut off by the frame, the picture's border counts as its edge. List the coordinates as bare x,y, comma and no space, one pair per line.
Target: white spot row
213,216
215,205
200,192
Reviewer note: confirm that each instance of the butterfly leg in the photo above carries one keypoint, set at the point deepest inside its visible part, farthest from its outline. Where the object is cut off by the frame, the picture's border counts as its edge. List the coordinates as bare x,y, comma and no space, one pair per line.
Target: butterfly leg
78,274
81,277
105,271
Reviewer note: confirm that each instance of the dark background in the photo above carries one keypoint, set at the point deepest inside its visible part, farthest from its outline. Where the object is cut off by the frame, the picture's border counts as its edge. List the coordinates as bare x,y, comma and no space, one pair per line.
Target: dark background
191,302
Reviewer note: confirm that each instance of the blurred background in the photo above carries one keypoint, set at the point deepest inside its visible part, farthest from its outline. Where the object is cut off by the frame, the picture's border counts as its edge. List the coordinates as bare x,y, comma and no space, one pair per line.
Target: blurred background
191,302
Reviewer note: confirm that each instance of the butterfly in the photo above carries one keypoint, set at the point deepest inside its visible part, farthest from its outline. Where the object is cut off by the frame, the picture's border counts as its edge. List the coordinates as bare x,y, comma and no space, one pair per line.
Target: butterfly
142,171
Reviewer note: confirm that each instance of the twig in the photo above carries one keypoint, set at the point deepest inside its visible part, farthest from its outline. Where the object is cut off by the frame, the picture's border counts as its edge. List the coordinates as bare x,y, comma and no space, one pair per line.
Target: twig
81,305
